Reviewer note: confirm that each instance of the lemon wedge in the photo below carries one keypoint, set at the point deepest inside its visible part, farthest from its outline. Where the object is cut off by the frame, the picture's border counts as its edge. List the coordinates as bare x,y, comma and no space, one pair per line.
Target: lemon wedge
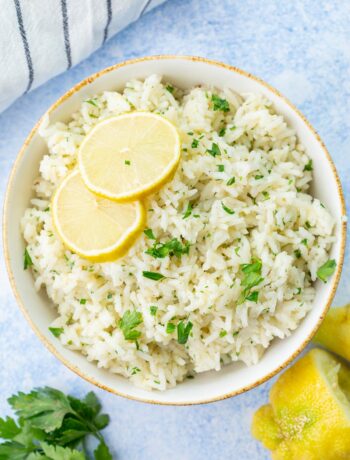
334,333
97,229
126,157
308,417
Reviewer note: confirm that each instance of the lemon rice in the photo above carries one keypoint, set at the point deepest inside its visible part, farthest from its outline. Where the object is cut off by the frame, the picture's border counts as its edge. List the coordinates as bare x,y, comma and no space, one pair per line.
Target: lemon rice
227,260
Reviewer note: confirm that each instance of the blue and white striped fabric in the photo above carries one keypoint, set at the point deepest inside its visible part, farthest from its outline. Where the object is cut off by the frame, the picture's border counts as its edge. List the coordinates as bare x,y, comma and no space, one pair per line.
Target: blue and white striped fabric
42,38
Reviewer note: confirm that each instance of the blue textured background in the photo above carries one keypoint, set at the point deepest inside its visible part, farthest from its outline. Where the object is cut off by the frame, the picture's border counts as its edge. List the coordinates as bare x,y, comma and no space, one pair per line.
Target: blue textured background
301,47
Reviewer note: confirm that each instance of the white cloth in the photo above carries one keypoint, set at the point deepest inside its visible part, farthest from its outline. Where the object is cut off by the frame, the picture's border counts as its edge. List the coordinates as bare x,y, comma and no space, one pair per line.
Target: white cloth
42,38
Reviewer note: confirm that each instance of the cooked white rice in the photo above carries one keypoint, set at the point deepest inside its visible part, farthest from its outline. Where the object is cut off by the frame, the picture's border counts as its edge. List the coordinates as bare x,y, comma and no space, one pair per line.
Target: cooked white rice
275,220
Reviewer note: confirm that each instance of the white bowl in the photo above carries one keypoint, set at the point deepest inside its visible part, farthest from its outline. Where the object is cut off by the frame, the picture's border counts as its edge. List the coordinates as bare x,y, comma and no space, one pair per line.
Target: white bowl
183,72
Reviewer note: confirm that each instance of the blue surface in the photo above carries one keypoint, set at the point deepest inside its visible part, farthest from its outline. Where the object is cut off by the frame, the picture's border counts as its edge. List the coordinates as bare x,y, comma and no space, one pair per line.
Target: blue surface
301,47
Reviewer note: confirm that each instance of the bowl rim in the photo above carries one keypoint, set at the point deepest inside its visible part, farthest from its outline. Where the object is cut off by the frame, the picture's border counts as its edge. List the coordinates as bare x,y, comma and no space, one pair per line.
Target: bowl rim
52,348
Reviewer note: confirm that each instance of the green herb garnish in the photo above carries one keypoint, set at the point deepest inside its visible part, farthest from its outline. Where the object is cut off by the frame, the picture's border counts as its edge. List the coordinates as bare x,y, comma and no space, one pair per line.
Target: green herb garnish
304,242
297,253
221,168
135,370
127,162
153,310
170,328
56,331
183,331
27,260
215,150
171,248
308,166
227,209
92,102
326,270
195,143
220,104
253,297
258,177
222,132
188,211
128,323
153,275
149,233
169,88
82,301
222,333
231,181
252,277
52,426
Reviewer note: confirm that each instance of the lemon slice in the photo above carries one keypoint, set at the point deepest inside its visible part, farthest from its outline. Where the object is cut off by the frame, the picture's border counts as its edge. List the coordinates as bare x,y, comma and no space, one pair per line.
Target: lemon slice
309,412
126,157
97,229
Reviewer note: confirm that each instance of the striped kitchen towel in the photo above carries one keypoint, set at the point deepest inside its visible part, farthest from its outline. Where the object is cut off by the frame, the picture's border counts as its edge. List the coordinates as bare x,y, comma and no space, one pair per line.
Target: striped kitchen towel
42,38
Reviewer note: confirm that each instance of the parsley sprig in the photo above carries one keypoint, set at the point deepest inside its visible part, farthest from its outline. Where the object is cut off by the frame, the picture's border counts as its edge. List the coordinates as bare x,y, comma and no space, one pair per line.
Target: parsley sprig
252,277
52,426
173,247
27,260
129,321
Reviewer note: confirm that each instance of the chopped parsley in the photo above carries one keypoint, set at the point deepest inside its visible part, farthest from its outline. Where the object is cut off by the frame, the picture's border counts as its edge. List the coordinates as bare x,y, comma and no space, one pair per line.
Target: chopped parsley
56,331
195,143
127,162
27,260
308,166
135,370
258,177
266,195
153,275
307,225
169,88
92,102
221,168
253,297
173,247
170,328
183,331
326,270
252,277
153,310
188,211
215,150
149,233
128,323
297,253
83,301
222,132
227,209
231,181
304,242
222,333
220,104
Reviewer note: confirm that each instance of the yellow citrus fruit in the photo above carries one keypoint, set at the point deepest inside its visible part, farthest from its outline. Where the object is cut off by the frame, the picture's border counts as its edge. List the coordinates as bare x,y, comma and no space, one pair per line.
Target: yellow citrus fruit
334,332
97,229
126,157
308,417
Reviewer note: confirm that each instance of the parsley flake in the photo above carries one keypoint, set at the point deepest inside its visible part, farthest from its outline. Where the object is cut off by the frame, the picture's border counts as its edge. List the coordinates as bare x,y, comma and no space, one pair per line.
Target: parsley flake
227,209
195,143
326,270
170,328
153,275
188,211
27,260
215,150
183,331
308,166
56,331
173,247
231,181
149,233
153,310
220,104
